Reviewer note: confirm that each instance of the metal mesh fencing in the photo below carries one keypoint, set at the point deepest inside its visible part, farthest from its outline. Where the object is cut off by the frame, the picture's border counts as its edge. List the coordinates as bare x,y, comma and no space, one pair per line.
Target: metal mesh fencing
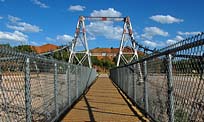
173,82
37,89
157,88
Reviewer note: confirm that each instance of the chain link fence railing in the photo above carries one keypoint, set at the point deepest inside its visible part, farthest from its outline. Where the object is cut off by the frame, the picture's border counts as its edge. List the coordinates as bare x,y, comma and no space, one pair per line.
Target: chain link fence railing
173,82
34,88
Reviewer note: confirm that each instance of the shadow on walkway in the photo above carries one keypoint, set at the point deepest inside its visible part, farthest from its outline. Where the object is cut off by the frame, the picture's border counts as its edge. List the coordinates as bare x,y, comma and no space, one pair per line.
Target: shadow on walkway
91,116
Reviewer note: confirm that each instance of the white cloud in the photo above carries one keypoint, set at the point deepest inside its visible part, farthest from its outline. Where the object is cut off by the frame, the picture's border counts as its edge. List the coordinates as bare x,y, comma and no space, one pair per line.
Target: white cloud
110,12
49,39
76,8
40,4
150,32
179,37
21,26
60,39
24,27
105,28
137,36
166,19
90,36
188,33
65,39
13,19
16,36
1,17
170,41
151,43
176,39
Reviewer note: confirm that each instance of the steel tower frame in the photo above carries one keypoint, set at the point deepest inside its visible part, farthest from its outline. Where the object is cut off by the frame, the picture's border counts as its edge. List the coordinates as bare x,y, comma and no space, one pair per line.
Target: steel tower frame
80,35
127,31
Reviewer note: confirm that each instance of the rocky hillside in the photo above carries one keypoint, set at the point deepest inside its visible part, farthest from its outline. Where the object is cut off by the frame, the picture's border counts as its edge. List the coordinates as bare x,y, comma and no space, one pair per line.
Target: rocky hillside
44,48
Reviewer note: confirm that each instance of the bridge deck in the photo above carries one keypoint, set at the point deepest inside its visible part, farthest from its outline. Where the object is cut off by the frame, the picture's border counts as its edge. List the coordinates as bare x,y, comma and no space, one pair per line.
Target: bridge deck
104,103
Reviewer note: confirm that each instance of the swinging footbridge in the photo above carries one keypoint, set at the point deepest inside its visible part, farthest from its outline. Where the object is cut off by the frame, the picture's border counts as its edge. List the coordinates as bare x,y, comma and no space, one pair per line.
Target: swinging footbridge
165,85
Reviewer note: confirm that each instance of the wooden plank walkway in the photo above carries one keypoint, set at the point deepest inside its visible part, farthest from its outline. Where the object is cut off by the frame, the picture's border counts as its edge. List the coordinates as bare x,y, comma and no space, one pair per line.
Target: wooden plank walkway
104,103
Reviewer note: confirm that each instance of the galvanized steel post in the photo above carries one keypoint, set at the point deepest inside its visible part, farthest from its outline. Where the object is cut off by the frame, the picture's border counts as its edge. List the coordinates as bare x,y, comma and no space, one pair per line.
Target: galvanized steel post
56,90
145,86
170,89
27,91
69,84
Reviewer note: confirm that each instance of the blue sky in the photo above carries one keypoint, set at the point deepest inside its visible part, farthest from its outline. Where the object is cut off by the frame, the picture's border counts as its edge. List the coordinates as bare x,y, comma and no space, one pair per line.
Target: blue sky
156,23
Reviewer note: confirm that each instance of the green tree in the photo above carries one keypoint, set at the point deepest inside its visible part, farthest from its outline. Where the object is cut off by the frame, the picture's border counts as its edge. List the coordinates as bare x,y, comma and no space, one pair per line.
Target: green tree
5,45
24,48
61,55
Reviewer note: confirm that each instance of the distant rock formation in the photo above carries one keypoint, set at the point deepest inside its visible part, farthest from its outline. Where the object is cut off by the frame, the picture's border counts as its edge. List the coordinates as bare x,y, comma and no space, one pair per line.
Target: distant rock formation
44,48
